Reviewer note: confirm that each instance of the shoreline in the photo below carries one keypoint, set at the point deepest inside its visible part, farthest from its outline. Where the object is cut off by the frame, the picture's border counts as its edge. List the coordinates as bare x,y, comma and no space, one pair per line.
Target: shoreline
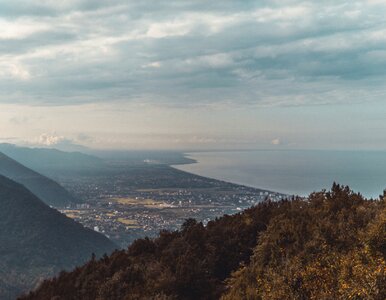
292,172
194,161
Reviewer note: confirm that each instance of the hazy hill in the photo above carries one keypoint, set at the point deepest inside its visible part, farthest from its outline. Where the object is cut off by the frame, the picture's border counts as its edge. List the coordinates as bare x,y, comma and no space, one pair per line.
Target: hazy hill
46,189
136,157
37,241
51,161
331,246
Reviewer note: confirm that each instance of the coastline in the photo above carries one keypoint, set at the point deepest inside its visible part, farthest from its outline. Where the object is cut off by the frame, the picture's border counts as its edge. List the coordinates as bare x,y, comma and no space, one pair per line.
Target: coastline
292,172
194,161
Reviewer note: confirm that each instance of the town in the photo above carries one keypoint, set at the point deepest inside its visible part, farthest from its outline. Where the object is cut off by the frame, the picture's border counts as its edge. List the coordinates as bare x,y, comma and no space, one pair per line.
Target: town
126,205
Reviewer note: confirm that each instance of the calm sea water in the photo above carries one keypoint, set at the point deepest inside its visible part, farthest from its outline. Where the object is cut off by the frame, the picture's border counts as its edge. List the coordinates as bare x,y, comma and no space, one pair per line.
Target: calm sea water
294,171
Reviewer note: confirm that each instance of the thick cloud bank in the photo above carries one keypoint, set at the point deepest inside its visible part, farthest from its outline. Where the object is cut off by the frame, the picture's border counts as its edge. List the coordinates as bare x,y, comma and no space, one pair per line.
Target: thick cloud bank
184,53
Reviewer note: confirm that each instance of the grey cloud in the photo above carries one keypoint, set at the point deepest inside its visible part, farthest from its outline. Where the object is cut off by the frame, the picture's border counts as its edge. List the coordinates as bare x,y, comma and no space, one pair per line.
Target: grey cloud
12,9
184,52
23,8
35,41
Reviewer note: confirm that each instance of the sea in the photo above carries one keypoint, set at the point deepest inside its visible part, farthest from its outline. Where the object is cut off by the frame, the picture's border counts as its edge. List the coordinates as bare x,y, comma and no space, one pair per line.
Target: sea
294,172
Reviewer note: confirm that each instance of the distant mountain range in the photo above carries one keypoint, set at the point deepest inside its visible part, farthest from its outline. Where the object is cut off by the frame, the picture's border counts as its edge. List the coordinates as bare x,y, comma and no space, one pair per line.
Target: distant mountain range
50,162
55,163
37,241
46,189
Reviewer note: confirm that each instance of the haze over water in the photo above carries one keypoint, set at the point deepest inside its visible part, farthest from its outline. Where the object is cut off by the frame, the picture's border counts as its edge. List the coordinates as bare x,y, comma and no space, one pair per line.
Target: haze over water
295,171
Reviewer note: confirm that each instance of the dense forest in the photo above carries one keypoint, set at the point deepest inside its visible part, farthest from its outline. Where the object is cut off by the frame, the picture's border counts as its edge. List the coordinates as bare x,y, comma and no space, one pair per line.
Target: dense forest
37,241
331,245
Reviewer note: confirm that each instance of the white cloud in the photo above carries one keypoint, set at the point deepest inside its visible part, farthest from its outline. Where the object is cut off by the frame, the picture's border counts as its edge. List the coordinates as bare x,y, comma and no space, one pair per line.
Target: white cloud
155,64
53,139
167,29
15,70
282,13
21,28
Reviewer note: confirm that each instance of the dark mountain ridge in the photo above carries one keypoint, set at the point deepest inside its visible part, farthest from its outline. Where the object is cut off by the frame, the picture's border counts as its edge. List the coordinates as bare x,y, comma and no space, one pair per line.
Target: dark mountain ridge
37,241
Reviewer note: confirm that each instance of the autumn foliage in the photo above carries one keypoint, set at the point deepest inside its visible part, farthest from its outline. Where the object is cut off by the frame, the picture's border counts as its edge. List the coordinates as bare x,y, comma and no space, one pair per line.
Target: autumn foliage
329,246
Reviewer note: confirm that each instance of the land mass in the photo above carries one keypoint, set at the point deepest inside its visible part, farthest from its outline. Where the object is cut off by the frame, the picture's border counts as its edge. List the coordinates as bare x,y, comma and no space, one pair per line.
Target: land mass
37,241
331,245
126,202
45,188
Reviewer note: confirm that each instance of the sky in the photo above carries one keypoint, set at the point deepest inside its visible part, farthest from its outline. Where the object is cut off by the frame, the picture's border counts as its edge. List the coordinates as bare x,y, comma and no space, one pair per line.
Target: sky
192,75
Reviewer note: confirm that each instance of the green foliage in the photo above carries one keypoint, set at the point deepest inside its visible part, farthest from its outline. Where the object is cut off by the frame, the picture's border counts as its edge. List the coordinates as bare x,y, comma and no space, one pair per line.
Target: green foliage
330,246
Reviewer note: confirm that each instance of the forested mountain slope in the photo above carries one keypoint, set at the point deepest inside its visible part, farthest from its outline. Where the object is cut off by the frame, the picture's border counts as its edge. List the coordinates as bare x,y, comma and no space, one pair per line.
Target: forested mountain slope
37,241
330,246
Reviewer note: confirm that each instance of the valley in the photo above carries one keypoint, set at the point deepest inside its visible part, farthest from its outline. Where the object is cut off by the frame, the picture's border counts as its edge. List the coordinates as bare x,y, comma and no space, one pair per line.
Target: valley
130,201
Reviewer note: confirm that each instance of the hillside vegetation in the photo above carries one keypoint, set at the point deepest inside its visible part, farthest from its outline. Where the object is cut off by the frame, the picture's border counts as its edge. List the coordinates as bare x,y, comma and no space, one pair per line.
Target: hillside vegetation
37,241
330,246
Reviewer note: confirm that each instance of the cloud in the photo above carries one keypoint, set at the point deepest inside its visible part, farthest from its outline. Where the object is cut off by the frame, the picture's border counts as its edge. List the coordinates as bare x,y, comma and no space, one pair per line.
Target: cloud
53,139
155,64
185,53
14,71
60,142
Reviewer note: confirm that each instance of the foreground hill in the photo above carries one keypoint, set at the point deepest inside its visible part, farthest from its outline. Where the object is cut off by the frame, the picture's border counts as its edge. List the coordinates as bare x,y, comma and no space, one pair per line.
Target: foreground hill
330,246
46,189
37,241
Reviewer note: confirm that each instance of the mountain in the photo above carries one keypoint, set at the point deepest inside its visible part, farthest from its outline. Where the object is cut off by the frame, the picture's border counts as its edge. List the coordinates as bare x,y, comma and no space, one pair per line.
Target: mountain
50,162
329,246
37,241
46,189
135,157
